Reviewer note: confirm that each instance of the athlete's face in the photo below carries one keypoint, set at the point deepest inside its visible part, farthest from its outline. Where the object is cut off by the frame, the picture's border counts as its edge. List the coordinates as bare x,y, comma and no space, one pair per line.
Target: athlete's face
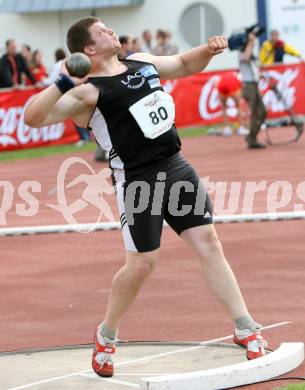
105,39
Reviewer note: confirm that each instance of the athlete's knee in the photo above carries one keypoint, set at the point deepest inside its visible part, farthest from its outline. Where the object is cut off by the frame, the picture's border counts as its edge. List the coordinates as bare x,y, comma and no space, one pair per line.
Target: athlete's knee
142,264
210,244
143,270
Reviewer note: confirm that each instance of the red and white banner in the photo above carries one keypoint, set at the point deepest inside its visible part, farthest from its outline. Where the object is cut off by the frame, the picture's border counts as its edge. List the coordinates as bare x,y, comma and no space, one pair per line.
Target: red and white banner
14,134
197,100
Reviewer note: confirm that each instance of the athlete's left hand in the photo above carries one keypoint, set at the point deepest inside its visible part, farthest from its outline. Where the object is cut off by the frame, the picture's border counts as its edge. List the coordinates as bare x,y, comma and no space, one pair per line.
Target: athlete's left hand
217,45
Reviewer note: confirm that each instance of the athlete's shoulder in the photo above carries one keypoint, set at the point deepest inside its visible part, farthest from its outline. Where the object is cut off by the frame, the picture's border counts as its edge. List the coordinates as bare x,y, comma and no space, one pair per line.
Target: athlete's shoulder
141,57
88,93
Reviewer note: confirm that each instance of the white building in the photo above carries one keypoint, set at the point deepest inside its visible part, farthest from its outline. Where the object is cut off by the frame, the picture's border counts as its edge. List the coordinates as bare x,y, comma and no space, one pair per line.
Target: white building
43,23
190,21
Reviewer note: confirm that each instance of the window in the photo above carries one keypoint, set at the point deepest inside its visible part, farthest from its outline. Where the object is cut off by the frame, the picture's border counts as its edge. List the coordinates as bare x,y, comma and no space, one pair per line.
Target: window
200,21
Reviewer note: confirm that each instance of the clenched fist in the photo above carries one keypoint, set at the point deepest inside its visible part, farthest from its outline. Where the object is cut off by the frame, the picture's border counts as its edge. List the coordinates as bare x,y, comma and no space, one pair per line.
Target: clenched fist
217,45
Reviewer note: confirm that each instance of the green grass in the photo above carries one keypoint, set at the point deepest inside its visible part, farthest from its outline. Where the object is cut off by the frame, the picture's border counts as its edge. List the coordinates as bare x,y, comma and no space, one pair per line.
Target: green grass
44,151
299,386
71,148
193,132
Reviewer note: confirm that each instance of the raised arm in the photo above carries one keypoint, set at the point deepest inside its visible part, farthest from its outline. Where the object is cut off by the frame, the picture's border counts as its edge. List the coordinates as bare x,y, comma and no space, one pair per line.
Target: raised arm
248,52
187,63
53,105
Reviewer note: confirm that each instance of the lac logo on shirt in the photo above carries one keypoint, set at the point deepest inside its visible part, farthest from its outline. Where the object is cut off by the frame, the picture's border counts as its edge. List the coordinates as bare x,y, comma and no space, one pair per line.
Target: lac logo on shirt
137,80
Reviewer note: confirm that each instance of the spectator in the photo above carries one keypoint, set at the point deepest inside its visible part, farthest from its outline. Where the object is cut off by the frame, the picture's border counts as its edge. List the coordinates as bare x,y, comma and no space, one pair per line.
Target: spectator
161,38
173,46
126,46
60,55
229,87
12,67
37,68
147,41
164,47
136,45
26,53
250,76
274,49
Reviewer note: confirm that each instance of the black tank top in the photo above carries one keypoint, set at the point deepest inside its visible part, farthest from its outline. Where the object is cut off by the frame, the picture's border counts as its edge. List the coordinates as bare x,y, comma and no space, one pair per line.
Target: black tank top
117,130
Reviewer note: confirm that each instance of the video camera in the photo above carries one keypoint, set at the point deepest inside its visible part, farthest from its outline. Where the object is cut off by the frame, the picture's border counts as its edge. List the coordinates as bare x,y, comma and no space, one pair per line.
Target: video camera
239,39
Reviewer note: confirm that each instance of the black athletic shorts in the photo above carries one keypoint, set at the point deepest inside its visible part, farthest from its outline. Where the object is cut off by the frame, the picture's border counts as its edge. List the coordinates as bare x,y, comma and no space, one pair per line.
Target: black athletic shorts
172,193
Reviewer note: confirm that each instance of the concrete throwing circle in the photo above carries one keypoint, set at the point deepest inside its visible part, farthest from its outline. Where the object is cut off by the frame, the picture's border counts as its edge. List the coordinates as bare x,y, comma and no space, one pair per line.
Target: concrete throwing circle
69,368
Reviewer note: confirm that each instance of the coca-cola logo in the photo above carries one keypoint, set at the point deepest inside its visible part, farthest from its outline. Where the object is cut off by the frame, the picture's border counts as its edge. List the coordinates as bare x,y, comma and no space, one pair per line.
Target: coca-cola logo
13,130
209,104
279,93
275,102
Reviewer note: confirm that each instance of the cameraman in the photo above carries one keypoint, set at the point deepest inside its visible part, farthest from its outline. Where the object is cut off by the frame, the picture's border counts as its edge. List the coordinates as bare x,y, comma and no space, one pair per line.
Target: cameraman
250,76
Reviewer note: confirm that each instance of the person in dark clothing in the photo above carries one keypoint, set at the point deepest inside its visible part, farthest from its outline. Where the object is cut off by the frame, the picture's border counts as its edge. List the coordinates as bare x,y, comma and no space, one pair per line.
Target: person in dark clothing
27,54
250,76
12,66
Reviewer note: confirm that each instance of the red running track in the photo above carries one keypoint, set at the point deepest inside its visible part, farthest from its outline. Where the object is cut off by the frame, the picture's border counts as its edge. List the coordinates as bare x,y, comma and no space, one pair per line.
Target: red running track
54,287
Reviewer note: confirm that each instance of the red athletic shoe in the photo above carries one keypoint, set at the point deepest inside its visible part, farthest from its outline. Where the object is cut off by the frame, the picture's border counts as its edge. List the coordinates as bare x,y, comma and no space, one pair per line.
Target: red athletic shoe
104,365
253,342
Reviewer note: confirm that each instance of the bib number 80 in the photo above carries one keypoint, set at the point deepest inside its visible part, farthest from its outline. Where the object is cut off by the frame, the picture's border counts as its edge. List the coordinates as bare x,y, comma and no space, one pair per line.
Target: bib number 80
160,114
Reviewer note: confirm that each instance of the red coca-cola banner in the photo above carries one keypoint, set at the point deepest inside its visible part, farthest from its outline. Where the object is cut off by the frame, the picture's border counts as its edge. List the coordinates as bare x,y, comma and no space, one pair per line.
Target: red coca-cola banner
14,134
197,99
